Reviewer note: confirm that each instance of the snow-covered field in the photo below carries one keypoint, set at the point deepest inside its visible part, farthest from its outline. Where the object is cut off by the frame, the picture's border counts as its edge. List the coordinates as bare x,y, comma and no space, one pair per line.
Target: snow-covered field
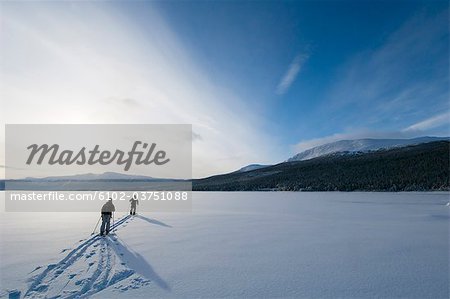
310,245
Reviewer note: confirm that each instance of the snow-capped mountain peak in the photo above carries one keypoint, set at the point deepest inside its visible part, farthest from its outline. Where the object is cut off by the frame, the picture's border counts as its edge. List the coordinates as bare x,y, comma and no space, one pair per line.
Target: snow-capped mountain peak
359,145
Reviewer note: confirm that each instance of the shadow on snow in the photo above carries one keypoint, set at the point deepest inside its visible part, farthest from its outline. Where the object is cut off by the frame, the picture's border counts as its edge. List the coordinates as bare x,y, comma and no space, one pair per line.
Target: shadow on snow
94,265
152,221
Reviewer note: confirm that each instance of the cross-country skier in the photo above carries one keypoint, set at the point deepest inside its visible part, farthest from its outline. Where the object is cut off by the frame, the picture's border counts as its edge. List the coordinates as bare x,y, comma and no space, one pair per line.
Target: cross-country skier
107,210
134,202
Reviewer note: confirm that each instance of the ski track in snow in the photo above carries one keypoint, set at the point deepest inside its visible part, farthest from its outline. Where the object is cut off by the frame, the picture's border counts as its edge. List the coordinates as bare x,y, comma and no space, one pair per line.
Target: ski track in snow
94,265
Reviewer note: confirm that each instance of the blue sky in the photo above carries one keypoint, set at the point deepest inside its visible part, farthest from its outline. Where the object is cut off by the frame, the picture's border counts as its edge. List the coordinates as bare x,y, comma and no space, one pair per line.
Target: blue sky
397,50
259,81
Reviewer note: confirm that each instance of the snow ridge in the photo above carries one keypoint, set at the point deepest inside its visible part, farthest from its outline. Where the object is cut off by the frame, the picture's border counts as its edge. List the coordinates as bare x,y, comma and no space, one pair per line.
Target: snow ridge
359,145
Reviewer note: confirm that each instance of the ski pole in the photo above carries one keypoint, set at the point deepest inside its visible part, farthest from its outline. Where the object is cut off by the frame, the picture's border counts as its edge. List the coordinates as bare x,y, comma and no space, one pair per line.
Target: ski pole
95,228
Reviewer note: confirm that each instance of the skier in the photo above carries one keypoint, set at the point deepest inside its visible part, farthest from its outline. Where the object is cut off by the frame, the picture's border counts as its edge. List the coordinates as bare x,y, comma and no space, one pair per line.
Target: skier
107,209
134,201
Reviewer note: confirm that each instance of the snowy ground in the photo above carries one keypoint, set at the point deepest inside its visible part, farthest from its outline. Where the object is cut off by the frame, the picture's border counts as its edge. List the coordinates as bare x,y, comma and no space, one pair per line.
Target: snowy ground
311,245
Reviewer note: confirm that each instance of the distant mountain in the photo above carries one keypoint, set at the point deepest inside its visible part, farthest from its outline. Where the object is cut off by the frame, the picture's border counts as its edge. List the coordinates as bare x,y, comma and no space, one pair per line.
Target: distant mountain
251,167
107,176
107,181
359,145
422,167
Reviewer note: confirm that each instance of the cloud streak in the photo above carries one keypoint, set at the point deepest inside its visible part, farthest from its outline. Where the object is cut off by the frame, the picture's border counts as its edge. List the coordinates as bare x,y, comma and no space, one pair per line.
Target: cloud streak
123,71
430,123
291,73
388,85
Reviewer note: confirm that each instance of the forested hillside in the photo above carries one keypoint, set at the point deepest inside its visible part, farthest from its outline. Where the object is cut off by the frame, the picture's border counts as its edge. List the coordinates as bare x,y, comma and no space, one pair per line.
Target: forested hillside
420,167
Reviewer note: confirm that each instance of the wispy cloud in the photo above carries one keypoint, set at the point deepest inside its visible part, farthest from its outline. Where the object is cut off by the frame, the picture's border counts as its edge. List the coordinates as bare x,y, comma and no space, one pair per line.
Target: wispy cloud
390,84
291,73
121,72
397,90
430,123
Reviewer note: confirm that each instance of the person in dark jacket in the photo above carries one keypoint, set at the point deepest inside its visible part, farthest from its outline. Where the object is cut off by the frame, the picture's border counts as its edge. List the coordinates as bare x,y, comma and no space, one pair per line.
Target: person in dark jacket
134,202
107,209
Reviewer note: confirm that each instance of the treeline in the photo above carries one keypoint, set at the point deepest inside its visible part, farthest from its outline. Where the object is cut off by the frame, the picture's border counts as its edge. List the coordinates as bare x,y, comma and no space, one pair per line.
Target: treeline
423,167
